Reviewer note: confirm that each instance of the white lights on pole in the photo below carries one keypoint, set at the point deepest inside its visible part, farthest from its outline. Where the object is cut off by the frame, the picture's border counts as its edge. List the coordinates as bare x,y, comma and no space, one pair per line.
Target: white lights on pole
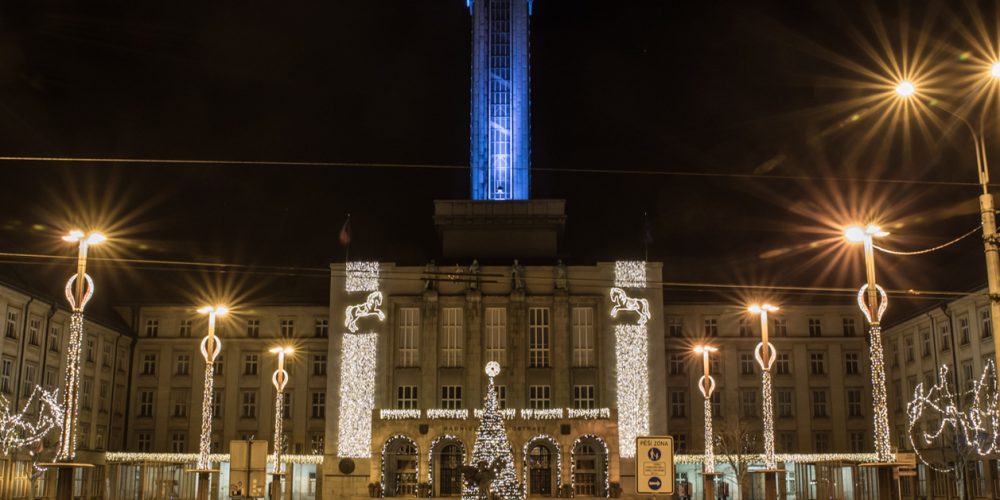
873,301
211,346
280,380
766,354
706,384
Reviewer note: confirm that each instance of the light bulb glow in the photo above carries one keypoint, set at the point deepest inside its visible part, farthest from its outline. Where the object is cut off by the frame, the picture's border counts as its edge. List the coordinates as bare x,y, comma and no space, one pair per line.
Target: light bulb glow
995,70
905,88
855,234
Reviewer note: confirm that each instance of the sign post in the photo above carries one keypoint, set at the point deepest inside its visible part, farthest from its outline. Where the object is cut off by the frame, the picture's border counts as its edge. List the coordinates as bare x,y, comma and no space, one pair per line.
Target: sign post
654,465
247,468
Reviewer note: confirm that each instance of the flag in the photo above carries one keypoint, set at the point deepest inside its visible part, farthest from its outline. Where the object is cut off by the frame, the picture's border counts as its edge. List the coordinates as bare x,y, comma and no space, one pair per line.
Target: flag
345,232
647,230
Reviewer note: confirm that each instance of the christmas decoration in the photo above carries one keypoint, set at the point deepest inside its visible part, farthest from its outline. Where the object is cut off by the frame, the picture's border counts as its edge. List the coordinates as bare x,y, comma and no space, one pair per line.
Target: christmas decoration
26,428
630,274
358,360
361,276
211,346
603,450
492,465
631,356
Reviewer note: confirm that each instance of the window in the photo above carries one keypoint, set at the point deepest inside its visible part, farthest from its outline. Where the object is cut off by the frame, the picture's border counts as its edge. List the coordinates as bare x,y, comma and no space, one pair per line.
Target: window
185,329
815,327
90,349
502,396
146,398
102,431
50,378
985,325
780,328
406,397
945,338
180,405
7,375
452,341
715,365
850,327
967,375
183,364
748,404
711,327
852,365
496,335
11,328
963,330
538,337
676,363
746,363
583,336
583,397
783,364
287,327
152,328
680,443
219,367
286,406
786,442
817,363
675,326
321,328
925,349
149,364
106,356
716,400
821,442
819,404
908,348
854,403
408,328
144,440
218,398
249,408
783,397
250,364
316,442
746,330
451,397
893,353
319,364
678,404
538,397
28,384
54,339
253,328
857,442
34,326
178,442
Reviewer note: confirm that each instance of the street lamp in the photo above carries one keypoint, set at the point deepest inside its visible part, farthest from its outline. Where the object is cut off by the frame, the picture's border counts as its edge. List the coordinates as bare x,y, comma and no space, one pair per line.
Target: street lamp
280,380
905,88
706,384
766,355
79,290
211,346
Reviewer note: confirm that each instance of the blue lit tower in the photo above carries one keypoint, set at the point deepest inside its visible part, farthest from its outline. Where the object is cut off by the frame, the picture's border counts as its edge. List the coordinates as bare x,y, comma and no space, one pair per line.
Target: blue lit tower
500,115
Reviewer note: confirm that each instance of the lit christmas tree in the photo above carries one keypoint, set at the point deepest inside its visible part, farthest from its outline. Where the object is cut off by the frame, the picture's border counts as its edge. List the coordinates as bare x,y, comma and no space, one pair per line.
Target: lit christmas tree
491,473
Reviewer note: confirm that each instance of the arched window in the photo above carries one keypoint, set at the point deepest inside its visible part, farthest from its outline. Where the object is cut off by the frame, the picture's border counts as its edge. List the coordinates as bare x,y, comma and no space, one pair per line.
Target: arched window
450,463
400,468
540,471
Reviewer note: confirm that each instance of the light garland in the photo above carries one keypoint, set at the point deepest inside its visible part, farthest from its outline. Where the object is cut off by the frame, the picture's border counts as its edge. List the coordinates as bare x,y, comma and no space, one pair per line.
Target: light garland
447,414
211,346
430,457
572,462
385,449
589,413
558,453
542,414
357,395
622,302
709,461
361,276
633,386
388,414
977,426
25,429
630,274
370,307
121,457
883,444
769,461
67,441
506,413
787,458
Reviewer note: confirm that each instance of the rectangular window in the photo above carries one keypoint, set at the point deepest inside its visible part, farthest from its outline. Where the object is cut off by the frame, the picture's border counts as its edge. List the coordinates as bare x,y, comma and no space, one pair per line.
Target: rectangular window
502,396
893,353
748,404
854,403
819,404
963,330
28,385
850,328
250,364
680,443
817,363
146,398
34,327
583,336
453,336
316,441
496,335
945,338
678,404
253,328
715,366
50,379
7,375
219,367
676,363
321,328
967,375
319,364
54,339
180,405
144,440
287,328
286,406
149,364
711,327
451,397
780,328
538,397
908,348
747,363
90,349
152,328
218,397
583,397
925,336
857,442
106,355
185,329
746,328
783,398
538,337
183,364
249,407
11,328
786,442
178,442
852,364
675,326
815,327
99,438
783,364
985,325
408,327
821,442
716,400
406,397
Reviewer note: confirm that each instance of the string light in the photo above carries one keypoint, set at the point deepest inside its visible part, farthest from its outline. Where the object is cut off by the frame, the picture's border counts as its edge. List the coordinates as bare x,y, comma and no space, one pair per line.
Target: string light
976,427
25,429
506,413
706,384
558,453
589,413
788,458
633,386
430,455
357,395
542,414
709,462
766,354
370,307
385,450
572,461
361,276
493,449
388,414
882,443
280,380
622,302
120,457
447,414
630,274
211,346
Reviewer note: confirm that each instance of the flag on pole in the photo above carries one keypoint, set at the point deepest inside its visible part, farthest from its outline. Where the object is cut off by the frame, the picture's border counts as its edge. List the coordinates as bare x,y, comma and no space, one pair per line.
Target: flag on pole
345,232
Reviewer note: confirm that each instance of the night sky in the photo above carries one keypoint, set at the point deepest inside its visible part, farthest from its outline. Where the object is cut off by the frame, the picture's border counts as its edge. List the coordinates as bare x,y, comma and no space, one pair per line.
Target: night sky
757,94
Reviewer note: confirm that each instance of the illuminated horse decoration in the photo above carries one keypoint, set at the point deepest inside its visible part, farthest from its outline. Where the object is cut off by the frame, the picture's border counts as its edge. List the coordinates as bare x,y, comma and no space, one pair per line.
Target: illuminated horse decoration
26,429
622,302
370,307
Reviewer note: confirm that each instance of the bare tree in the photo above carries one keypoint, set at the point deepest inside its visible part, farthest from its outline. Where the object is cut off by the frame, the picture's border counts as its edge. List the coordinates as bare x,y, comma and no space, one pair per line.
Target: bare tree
738,442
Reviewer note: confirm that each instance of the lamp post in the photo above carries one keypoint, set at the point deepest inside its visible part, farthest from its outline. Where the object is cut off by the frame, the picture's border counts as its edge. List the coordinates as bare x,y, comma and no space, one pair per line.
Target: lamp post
766,354
79,290
706,384
211,346
280,380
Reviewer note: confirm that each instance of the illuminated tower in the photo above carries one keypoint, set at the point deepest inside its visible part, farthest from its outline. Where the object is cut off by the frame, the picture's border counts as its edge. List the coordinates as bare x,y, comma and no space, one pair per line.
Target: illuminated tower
500,115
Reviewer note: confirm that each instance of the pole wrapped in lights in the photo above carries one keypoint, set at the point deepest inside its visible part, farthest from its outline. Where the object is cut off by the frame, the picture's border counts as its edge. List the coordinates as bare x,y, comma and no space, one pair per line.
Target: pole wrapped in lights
766,354
873,308
79,290
211,346
706,384
631,355
280,380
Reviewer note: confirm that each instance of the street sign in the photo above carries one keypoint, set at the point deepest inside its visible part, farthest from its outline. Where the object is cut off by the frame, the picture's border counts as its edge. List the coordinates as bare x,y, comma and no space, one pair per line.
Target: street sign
654,465
906,473
906,460
247,468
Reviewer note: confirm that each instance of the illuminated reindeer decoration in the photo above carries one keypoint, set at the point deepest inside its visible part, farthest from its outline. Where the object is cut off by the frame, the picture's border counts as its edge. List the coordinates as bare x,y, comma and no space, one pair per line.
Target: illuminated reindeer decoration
370,307
26,429
622,302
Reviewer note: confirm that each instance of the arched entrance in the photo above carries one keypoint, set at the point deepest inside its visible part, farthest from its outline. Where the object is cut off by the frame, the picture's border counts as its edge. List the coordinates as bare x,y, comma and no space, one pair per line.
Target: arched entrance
400,467
542,466
447,455
590,466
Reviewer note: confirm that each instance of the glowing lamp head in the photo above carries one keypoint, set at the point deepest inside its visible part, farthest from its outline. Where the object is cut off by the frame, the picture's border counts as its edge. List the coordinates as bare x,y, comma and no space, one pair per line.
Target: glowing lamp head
995,70
73,236
855,234
705,348
90,239
905,88
758,308
279,349
217,310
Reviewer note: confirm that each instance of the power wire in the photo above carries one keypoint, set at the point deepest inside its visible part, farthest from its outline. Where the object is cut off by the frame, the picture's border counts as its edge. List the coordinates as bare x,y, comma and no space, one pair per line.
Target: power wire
931,249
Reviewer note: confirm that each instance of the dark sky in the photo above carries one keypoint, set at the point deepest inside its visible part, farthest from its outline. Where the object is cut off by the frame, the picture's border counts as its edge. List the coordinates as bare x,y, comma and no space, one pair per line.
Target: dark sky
656,86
